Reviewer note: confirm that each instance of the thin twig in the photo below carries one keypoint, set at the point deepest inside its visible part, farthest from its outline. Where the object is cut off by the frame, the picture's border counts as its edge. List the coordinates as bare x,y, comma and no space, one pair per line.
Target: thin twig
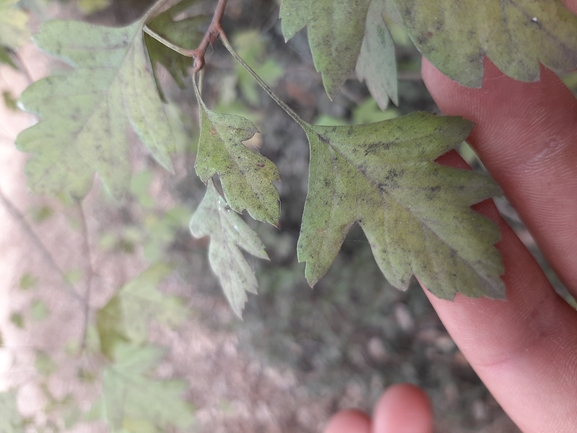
17,215
214,30
260,82
88,271
210,37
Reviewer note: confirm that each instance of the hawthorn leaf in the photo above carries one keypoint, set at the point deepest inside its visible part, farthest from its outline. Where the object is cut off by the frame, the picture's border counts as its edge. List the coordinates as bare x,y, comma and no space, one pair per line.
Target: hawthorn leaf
415,213
183,33
132,401
85,114
246,176
517,35
228,233
335,30
10,419
377,63
128,314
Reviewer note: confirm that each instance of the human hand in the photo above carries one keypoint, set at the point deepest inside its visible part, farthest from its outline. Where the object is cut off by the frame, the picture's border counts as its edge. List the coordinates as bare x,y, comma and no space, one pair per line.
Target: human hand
525,348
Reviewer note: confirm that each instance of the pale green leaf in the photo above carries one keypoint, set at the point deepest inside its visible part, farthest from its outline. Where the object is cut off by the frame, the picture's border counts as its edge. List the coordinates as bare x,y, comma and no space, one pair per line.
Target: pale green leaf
246,176
39,310
517,35
44,364
85,114
129,313
131,399
183,33
377,63
335,30
227,233
10,419
13,25
415,213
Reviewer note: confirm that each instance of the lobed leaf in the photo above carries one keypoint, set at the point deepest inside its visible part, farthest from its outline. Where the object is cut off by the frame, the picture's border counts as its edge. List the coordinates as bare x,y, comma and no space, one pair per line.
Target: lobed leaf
246,176
132,401
85,114
517,35
228,232
415,213
335,30
128,314
377,64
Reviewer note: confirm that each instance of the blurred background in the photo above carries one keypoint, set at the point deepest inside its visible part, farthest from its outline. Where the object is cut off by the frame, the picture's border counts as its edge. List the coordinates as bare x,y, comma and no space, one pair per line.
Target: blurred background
298,355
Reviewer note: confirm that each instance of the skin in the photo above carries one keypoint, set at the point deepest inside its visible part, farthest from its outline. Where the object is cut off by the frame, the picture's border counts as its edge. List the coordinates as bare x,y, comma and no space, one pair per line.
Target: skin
525,348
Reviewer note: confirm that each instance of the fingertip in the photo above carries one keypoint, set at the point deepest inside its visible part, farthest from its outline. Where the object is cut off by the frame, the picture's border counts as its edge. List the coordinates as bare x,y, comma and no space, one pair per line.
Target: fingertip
349,421
404,408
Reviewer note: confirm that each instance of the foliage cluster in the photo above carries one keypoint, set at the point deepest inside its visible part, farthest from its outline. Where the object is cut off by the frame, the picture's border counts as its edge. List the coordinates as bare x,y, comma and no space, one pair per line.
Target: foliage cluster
414,213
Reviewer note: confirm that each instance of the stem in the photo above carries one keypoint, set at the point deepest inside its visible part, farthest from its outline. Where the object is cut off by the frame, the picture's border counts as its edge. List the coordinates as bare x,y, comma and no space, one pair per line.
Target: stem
261,83
212,33
17,215
214,30
88,271
179,50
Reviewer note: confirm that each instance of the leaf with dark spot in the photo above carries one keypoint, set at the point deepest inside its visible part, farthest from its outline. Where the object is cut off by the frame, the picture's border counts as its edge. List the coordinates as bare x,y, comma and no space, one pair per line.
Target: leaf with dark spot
415,213
85,114
517,35
246,176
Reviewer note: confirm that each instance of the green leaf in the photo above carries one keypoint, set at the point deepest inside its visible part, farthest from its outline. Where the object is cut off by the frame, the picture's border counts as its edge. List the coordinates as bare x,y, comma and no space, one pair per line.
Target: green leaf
335,30
227,233
13,25
246,176
183,33
377,64
516,35
17,319
10,419
85,114
39,310
415,213
28,281
128,314
133,402
44,364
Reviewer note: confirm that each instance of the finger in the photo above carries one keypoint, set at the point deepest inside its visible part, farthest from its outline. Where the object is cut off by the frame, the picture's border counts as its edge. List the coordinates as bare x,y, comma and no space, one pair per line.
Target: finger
523,348
526,135
403,408
349,421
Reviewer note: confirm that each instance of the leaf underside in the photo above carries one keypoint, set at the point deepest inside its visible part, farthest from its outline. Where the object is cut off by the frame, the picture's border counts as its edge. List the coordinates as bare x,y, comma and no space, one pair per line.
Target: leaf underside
377,64
415,213
228,232
85,114
335,30
517,35
246,176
